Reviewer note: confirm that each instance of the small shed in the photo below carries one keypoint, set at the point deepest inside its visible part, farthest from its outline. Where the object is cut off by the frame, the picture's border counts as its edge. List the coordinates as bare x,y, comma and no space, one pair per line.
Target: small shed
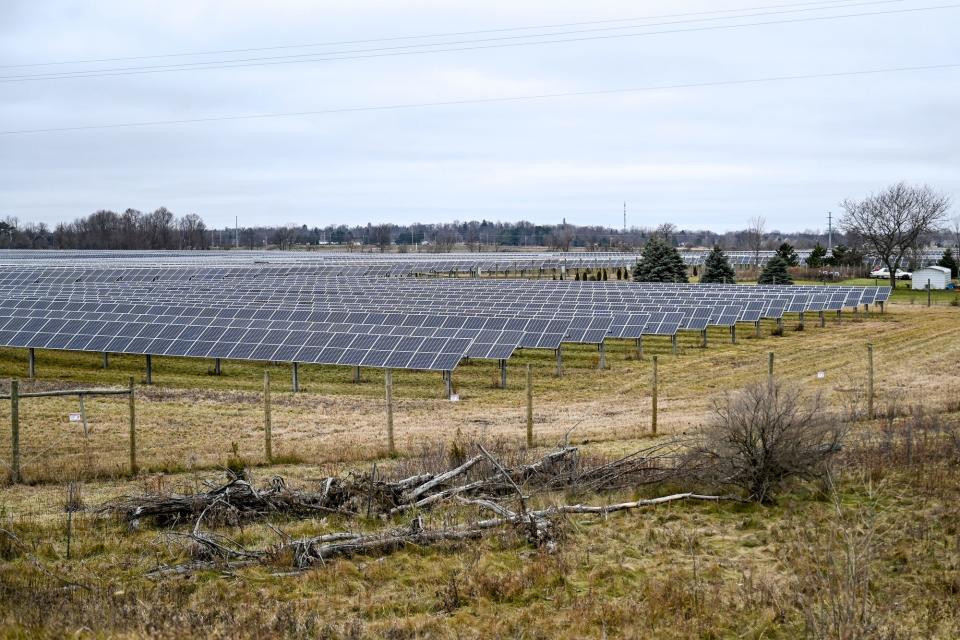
938,277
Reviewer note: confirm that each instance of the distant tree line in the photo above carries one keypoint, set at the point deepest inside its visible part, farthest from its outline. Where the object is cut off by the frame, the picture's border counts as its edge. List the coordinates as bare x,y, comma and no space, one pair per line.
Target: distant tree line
485,235
104,229
161,229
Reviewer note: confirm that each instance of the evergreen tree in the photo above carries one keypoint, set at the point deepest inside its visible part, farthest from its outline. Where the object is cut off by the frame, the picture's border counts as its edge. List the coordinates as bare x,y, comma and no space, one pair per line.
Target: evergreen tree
838,257
949,262
816,258
604,275
660,262
789,254
717,269
776,272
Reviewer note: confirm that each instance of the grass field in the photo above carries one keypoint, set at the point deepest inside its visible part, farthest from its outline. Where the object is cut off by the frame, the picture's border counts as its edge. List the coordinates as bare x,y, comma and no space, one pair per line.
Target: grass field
886,540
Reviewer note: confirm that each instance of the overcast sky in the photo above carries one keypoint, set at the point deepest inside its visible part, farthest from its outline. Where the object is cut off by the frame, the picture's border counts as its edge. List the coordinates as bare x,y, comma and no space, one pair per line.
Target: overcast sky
700,157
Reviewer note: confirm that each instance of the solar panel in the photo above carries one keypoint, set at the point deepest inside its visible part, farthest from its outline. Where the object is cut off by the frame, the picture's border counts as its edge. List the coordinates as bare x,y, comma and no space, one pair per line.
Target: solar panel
294,310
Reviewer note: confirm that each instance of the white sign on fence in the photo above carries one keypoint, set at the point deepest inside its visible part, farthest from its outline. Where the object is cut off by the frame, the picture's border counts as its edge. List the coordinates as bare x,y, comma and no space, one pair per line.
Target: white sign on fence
75,417
821,375
454,397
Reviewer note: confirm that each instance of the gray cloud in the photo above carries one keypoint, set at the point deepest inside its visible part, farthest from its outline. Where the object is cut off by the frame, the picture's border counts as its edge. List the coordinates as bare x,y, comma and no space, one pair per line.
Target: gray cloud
708,156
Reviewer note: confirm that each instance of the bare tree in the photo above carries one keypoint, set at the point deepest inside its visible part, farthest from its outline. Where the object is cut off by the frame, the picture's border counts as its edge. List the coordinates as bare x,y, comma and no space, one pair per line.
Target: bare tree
763,436
285,235
472,236
382,236
666,231
895,221
131,227
159,228
561,238
193,232
444,239
756,230
249,237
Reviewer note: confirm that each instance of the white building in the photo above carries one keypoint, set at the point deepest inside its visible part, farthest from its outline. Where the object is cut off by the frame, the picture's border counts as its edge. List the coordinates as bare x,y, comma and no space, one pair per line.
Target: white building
938,277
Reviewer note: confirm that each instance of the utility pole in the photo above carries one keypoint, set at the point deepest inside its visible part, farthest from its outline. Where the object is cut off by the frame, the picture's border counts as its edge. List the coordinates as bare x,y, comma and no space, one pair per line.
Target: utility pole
830,231
236,234
624,216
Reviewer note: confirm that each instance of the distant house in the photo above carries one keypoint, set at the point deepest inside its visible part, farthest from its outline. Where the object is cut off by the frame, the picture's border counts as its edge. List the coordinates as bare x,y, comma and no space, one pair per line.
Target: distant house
938,277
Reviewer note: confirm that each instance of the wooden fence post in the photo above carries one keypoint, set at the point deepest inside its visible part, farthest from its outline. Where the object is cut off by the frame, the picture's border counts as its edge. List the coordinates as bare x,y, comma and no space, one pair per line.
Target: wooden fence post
15,430
770,369
653,417
388,381
529,406
83,419
870,380
133,429
267,426
31,363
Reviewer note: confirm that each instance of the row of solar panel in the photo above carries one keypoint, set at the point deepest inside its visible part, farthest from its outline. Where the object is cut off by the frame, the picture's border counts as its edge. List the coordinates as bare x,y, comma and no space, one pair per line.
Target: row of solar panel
843,296
750,312
464,260
196,334
123,274
406,312
188,272
282,279
401,352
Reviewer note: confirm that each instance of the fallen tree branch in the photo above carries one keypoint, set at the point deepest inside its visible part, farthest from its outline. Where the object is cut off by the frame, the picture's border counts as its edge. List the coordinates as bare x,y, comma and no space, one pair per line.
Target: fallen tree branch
442,478
539,527
482,476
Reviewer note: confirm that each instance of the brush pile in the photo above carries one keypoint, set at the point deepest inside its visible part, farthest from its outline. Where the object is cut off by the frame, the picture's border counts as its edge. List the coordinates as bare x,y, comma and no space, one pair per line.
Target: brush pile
370,495
499,496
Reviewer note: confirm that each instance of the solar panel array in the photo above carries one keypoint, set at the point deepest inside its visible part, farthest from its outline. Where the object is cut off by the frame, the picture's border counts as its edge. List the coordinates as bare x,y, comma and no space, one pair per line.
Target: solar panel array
200,305
388,264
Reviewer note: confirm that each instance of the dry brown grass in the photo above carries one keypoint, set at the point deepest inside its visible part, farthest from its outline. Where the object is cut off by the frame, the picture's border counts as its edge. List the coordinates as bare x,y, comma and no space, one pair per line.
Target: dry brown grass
678,571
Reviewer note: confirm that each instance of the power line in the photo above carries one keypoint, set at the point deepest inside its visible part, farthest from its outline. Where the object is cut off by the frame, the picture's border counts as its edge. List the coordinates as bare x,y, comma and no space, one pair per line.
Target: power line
830,4
402,49
382,52
503,99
